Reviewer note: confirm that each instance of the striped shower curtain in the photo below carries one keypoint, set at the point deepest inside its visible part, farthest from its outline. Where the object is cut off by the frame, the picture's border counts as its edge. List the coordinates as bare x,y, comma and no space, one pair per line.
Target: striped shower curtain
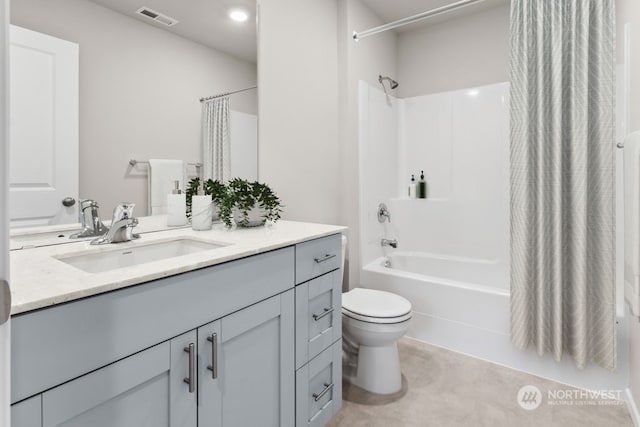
215,139
562,200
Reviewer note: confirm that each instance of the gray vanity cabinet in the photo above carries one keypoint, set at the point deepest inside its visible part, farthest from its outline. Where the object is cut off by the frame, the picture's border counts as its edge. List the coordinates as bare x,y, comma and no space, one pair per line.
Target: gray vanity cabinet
246,366
210,347
145,389
27,413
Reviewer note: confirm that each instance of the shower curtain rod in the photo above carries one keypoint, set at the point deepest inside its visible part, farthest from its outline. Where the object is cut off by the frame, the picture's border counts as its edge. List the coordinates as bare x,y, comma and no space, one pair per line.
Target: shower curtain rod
227,93
411,19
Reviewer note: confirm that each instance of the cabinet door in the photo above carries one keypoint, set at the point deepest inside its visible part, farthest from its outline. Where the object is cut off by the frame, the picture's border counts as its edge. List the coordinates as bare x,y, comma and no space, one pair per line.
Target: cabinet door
145,389
255,367
27,413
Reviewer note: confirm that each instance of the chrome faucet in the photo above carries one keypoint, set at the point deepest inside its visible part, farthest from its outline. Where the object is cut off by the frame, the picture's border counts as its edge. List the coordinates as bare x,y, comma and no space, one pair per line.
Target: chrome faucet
389,242
90,220
383,213
121,226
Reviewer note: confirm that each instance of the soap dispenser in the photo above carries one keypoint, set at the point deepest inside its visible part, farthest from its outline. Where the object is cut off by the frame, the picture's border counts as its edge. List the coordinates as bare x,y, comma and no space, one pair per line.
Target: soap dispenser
422,187
176,206
412,187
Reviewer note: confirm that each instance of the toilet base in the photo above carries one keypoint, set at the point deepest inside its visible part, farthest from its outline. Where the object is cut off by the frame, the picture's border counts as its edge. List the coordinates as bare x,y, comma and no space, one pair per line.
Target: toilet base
378,369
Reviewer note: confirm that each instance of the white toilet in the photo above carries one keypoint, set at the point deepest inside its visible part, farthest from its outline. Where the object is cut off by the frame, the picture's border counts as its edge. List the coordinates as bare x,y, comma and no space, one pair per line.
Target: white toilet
373,321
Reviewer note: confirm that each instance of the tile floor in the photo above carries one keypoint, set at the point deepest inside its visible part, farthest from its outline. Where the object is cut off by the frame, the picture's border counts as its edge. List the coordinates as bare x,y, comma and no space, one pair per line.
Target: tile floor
443,388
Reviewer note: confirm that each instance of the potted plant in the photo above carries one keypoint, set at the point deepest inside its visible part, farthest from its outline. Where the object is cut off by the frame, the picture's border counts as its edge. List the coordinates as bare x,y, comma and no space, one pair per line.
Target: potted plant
249,204
215,189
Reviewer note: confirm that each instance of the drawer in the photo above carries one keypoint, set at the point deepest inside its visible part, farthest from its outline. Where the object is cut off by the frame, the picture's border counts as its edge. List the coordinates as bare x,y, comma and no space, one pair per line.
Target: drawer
319,388
317,257
27,413
318,315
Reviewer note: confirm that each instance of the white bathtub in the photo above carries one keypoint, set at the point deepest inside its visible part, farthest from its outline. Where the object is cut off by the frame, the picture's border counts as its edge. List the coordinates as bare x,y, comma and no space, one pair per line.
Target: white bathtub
482,274
452,311
440,287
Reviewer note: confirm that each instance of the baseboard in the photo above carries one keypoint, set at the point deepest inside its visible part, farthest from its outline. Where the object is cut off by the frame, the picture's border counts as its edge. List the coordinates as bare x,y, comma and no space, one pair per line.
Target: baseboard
633,408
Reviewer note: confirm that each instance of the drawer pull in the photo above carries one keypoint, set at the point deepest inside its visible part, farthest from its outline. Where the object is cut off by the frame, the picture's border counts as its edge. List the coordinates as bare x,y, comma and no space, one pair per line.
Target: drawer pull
213,339
327,257
326,312
192,367
327,388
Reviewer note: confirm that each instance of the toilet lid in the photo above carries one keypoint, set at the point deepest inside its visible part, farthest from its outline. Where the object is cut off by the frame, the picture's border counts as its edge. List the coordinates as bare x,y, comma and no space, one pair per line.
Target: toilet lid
373,303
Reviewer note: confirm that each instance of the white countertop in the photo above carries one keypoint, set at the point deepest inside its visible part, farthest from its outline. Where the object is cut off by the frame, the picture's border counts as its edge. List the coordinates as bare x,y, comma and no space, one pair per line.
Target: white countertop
39,280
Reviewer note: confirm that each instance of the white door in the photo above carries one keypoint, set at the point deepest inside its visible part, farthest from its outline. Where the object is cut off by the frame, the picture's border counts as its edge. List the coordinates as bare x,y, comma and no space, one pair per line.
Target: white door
5,341
43,129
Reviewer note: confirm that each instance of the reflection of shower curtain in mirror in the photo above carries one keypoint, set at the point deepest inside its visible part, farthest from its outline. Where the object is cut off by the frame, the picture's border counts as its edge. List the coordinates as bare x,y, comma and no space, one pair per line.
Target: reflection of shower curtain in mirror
215,139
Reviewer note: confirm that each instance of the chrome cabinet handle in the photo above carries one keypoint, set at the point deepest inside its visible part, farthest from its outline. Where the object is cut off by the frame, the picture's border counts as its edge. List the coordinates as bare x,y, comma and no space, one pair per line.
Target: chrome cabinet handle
192,367
327,257
318,396
326,312
213,339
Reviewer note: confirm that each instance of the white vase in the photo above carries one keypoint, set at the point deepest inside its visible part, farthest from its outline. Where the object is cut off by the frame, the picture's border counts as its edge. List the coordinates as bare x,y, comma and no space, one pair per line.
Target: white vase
256,217
201,212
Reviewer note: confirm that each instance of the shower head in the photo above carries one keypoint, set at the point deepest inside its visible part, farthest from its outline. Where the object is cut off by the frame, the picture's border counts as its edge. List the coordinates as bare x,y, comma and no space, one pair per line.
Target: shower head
392,83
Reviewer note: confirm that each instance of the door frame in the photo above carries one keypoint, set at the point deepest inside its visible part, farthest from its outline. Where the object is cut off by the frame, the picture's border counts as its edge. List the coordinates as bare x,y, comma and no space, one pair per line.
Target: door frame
5,336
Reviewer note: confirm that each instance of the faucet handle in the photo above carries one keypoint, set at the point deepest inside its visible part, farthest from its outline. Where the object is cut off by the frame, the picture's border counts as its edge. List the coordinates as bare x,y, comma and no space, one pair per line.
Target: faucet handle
123,211
85,203
383,213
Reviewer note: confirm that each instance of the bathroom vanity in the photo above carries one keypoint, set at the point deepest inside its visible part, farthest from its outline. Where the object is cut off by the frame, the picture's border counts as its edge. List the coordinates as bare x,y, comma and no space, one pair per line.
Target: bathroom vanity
244,333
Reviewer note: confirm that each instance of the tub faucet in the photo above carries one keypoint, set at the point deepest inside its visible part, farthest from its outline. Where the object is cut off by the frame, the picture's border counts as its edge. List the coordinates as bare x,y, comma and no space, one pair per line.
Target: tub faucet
389,242
121,226
92,225
383,213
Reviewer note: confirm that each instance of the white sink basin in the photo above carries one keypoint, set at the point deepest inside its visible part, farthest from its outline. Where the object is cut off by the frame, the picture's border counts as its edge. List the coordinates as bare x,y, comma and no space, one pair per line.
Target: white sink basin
99,262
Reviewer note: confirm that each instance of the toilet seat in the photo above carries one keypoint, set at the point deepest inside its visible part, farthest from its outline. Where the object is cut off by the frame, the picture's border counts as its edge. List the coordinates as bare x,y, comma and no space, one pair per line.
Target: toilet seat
378,320
373,306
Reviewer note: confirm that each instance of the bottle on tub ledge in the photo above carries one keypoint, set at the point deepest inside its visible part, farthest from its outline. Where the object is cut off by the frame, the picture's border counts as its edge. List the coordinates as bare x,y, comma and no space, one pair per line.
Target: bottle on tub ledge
422,187
412,187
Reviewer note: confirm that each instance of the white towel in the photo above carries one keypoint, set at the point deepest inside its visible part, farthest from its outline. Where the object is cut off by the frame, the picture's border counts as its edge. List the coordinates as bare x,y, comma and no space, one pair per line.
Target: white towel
162,174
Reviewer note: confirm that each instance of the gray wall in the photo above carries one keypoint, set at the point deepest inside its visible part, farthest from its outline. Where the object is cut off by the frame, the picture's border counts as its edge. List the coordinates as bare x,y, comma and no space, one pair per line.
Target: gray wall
460,53
298,103
139,93
364,60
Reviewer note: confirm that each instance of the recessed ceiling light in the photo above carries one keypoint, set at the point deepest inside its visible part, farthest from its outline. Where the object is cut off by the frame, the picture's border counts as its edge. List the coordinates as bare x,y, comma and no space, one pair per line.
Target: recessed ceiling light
238,15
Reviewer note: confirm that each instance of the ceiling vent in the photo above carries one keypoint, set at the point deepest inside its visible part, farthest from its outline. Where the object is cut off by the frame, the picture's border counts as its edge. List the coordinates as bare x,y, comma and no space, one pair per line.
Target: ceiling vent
157,16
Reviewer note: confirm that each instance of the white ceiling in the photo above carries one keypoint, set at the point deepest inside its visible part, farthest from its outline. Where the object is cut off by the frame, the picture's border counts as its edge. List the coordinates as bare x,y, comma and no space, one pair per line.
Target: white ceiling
207,22
203,21
390,11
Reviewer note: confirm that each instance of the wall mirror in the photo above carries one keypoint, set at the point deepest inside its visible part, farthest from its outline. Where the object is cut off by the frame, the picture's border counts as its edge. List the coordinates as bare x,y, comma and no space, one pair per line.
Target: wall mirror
97,83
